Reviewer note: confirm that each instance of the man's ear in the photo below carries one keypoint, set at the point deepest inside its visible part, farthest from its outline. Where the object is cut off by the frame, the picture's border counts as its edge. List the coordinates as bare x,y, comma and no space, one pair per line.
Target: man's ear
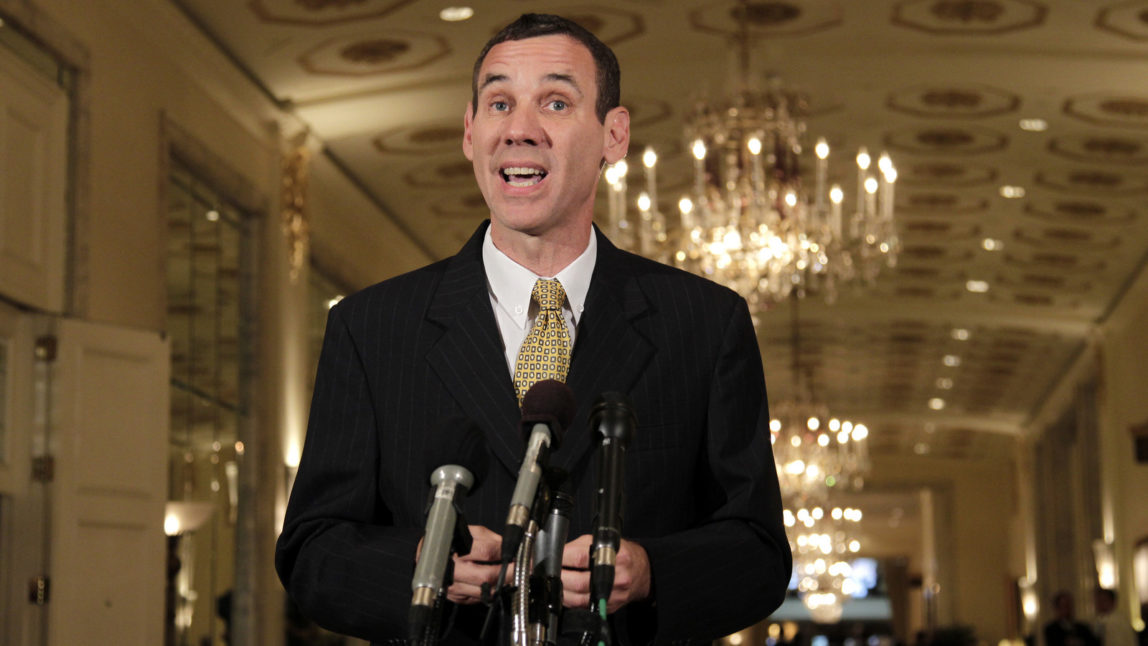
616,137
467,144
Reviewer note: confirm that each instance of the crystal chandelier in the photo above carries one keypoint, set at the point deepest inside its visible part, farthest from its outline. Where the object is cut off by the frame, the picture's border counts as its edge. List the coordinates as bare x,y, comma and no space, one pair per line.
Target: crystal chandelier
757,220
822,543
817,456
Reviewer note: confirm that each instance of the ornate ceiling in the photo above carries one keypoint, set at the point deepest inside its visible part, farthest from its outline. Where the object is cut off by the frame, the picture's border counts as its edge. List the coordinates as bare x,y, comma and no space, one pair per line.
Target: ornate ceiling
943,85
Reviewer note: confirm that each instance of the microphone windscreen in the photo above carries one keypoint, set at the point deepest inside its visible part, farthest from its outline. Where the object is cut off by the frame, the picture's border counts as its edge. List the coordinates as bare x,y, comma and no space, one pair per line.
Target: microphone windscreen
613,416
459,441
548,402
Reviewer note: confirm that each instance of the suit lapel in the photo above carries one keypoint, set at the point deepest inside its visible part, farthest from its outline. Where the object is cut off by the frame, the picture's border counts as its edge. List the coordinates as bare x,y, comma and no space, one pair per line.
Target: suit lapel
469,356
609,351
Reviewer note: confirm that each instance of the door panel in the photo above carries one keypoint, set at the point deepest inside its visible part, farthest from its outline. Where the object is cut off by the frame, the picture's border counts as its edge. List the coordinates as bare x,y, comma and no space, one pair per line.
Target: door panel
108,549
33,185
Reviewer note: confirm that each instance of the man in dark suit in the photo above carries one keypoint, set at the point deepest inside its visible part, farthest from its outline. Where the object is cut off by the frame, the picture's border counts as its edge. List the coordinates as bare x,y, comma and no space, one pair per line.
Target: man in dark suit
1064,629
705,551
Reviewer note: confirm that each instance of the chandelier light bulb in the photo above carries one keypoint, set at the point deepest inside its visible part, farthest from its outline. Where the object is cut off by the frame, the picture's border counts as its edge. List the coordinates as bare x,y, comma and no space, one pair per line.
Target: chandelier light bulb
644,201
791,199
834,424
822,149
884,163
699,149
860,432
611,175
823,440
813,423
649,158
863,159
686,205
623,168
754,145
836,195
891,174
871,185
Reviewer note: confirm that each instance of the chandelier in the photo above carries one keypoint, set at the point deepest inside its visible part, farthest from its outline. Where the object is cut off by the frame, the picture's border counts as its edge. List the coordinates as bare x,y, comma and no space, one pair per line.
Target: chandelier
757,219
821,544
817,456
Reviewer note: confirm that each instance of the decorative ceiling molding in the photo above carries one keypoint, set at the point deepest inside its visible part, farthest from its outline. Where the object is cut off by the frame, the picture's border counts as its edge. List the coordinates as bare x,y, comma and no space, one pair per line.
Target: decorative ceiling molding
1127,19
421,138
611,25
320,13
953,102
1104,183
1109,109
947,173
770,18
1102,148
969,17
381,52
947,140
1079,212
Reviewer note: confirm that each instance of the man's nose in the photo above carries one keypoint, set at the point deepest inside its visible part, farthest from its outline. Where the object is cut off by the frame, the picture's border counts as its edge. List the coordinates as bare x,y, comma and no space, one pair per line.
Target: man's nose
524,128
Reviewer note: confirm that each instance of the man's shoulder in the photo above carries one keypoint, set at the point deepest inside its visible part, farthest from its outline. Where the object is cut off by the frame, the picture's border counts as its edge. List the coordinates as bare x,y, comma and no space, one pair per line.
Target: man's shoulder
408,292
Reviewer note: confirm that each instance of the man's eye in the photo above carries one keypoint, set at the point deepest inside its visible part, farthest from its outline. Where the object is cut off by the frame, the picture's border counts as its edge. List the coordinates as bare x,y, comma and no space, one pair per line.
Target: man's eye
558,104
500,106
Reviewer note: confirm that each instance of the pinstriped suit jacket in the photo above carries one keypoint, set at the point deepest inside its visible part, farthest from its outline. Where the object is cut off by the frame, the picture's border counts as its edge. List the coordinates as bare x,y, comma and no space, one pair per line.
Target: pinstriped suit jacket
701,490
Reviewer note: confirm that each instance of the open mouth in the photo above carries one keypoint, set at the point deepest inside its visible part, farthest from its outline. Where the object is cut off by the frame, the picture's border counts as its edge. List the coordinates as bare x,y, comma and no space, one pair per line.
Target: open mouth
521,176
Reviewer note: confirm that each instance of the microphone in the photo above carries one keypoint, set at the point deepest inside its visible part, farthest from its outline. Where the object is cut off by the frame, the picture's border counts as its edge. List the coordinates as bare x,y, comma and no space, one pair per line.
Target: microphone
458,446
546,584
613,419
547,409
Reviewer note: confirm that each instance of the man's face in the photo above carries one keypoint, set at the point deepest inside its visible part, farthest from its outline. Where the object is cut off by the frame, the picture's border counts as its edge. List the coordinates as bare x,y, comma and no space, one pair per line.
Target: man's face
535,140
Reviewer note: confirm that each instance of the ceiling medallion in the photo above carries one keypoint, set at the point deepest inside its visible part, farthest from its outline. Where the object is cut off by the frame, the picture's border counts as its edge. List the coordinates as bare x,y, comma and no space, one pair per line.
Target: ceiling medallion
952,98
765,14
946,173
947,140
968,17
1127,19
320,5
968,10
1134,108
588,21
374,52
1109,109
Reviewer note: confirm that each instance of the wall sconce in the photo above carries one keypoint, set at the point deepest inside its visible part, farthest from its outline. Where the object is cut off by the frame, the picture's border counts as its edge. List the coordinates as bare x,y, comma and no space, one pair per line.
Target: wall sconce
1105,563
180,516
1029,600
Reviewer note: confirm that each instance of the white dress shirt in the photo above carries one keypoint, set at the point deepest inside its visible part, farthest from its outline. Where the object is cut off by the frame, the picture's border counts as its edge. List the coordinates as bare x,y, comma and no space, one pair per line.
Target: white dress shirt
509,285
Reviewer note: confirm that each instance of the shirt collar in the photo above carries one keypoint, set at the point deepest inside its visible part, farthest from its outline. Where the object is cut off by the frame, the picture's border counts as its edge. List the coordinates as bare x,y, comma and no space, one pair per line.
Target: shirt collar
510,283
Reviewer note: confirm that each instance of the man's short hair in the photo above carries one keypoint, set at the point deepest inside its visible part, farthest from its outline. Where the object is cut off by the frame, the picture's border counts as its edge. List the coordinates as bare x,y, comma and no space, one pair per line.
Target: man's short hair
533,25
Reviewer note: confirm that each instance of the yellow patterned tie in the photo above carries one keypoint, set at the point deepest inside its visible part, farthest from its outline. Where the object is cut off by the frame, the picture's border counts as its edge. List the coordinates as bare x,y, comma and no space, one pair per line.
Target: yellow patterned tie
545,352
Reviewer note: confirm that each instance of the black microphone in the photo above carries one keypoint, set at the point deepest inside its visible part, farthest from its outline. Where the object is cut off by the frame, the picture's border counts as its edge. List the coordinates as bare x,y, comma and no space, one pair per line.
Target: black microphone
612,418
547,409
546,584
458,446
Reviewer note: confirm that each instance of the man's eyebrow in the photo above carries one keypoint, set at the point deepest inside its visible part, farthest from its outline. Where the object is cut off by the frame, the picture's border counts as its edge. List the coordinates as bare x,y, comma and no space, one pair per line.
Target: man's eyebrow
564,78
490,79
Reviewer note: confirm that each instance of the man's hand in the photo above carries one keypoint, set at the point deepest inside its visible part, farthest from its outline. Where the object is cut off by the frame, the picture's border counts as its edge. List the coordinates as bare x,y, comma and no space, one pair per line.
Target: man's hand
631,574
478,567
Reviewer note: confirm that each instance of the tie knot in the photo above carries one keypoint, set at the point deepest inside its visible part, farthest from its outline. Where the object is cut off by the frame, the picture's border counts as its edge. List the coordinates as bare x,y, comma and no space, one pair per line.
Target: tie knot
548,294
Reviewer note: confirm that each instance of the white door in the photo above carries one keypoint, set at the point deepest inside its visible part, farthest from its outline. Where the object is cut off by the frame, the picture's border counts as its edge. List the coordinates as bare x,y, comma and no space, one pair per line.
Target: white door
33,185
109,435
23,537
